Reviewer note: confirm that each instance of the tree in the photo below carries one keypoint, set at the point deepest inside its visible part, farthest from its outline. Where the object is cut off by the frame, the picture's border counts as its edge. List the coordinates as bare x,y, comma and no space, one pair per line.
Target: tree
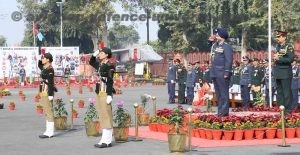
121,36
2,41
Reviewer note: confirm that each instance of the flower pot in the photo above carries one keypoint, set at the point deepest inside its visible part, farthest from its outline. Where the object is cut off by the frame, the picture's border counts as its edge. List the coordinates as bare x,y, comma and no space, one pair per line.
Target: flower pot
11,108
228,134
195,133
39,110
208,134
271,133
217,134
143,119
238,134
80,104
60,123
259,133
74,115
249,134
298,132
202,133
152,127
91,129
279,133
23,98
176,142
140,110
159,127
121,134
1,106
290,132
36,100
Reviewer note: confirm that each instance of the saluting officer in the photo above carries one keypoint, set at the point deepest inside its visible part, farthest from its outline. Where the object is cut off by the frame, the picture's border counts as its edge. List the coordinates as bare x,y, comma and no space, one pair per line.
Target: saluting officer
104,91
221,70
256,79
46,90
295,80
171,81
245,81
283,73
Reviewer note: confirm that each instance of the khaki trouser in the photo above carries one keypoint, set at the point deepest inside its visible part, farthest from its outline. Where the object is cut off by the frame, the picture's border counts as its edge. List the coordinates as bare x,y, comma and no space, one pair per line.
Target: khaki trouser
104,111
48,108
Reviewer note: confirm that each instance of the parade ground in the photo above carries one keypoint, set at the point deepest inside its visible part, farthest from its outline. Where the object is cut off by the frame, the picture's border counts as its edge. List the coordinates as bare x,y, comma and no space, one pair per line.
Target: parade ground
19,129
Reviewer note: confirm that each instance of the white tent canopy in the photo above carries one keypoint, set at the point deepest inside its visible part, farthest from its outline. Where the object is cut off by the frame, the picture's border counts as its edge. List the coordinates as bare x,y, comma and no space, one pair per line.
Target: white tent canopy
145,53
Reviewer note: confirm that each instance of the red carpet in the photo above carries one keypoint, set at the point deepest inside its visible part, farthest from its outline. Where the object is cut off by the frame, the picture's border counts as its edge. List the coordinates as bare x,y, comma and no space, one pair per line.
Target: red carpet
144,132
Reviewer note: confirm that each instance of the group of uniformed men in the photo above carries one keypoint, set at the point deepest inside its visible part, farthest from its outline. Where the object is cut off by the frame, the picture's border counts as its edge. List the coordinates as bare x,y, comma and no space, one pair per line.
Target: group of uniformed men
251,77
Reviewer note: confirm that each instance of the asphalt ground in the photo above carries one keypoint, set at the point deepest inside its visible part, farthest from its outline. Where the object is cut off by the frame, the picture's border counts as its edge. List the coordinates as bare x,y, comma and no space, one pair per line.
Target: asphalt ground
19,129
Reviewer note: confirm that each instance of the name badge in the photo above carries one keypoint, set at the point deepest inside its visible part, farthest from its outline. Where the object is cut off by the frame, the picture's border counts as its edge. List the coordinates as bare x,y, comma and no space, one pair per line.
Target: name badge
219,50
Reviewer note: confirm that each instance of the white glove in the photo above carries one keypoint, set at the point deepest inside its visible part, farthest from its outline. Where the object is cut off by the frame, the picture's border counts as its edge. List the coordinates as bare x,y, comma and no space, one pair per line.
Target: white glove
96,53
108,99
172,81
50,98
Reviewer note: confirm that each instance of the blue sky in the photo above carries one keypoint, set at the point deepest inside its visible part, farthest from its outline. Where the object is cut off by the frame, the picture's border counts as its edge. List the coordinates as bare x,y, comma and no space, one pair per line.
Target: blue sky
14,31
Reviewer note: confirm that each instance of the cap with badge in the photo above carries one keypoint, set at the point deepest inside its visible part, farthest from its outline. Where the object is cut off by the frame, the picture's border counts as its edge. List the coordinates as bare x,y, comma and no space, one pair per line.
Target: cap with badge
246,58
255,59
280,33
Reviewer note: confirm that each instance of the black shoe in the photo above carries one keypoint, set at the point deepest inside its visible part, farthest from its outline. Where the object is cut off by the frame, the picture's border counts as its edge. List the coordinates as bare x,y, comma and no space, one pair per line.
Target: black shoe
44,136
103,145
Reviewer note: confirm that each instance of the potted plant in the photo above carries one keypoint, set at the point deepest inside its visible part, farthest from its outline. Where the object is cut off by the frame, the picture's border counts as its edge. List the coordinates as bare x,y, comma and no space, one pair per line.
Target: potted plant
12,105
153,121
23,97
60,115
216,130
91,119
297,124
290,126
271,128
121,120
142,116
39,109
228,130
248,132
37,98
81,103
238,131
259,126
177,138
74,113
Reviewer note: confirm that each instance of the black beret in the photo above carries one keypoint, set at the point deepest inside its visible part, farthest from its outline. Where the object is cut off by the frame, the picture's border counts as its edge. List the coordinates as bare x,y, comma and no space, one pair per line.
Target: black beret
48,56
107,51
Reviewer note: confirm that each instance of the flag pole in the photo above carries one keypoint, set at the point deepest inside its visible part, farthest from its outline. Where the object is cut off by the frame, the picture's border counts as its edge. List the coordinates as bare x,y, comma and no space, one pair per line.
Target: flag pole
33,32
270,52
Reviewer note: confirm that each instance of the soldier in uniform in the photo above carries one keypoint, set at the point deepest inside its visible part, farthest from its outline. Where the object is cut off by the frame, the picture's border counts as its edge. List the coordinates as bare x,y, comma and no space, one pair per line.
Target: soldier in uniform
190,84
199,74
283,57
256,79
295,79
46,90
104,91
245,81
221,70
171,81
235,78
206,73
181,75
22,74
266,81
